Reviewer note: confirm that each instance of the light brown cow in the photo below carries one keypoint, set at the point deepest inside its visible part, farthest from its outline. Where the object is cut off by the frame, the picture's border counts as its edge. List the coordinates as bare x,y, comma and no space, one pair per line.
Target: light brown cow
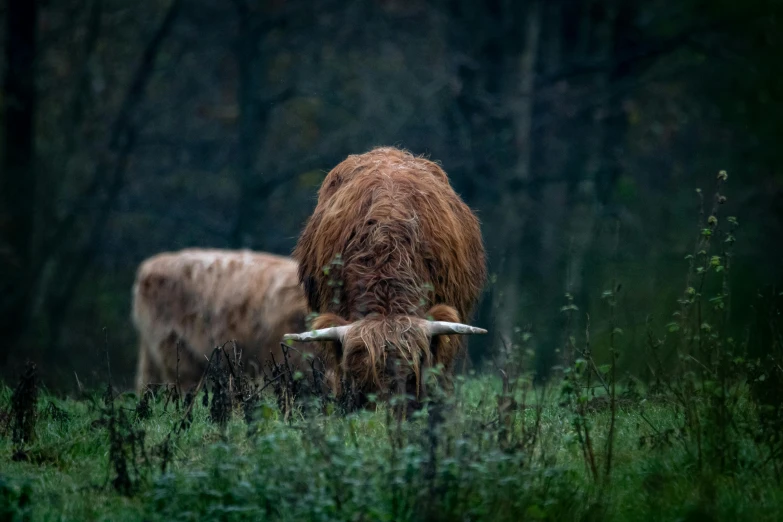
202,298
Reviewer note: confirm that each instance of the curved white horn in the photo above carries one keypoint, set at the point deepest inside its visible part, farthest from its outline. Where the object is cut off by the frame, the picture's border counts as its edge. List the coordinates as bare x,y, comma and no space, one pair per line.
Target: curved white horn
447,328
335,333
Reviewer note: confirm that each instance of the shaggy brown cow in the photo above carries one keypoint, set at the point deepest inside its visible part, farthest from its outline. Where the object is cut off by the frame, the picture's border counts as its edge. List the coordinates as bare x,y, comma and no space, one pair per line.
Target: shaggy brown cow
203,298
392,260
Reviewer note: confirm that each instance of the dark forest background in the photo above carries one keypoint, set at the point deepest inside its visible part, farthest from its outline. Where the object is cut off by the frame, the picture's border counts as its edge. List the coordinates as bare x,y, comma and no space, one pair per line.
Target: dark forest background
579,131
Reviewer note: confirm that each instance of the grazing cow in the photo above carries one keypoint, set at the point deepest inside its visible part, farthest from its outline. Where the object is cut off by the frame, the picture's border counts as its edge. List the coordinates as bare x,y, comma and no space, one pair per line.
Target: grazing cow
392,260
203,298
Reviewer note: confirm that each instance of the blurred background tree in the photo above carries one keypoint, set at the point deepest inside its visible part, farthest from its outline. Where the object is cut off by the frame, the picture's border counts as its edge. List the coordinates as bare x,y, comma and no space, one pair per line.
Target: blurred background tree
131,128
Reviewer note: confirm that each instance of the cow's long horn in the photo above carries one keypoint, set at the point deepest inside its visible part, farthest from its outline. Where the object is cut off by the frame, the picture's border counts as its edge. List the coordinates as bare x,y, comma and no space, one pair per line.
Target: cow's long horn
335,333
447,328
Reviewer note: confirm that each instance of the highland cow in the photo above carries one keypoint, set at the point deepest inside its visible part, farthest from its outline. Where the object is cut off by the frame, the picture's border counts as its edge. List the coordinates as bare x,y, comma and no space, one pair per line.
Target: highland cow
199,299
392,260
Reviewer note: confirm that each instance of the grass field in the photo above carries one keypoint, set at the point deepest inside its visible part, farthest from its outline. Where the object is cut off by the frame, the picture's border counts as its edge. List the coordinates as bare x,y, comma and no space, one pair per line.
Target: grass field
485,454
702,442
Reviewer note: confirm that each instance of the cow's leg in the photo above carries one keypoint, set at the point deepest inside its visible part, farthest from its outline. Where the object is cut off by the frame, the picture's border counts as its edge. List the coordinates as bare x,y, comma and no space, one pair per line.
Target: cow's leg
187,370
146,370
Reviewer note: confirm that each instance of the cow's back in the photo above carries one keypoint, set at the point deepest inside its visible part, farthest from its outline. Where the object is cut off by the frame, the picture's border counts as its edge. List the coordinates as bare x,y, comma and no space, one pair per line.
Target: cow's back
400,231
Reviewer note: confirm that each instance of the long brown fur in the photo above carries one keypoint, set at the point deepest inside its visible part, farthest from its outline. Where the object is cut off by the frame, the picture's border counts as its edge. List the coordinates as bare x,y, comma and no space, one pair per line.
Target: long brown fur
201,298
407,247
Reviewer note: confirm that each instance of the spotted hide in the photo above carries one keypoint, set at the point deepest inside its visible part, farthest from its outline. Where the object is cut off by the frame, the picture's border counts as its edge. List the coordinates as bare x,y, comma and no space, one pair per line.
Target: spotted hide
202,298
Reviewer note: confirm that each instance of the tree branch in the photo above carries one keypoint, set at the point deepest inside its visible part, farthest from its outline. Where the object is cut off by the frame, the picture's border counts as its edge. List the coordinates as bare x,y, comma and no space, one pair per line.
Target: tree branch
119,133
121,142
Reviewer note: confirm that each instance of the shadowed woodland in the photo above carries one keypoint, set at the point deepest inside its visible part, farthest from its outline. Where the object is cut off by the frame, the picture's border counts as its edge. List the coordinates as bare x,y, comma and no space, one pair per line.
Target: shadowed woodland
579,132
622,157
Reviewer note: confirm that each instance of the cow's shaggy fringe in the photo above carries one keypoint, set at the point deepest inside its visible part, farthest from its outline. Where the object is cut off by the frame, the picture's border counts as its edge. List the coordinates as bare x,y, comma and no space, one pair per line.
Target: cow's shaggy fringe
407,242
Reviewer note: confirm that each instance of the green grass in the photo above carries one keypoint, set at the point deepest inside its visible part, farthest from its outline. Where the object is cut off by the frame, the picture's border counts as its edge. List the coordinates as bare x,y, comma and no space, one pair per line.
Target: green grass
705,444
368,466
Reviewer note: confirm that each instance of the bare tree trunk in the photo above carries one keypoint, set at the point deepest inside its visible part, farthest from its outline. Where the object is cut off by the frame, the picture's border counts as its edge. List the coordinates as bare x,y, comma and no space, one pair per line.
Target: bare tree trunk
514,205
616,121
594,44
550,194
18,178
246,55
254,110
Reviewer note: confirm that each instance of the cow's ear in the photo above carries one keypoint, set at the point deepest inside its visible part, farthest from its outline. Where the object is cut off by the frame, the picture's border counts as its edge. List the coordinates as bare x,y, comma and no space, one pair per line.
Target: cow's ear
332,353
442,312
444,347
327,321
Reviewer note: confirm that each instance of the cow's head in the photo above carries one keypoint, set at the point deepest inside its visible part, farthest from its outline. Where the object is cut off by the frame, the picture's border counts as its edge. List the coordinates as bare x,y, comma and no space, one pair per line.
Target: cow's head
387,355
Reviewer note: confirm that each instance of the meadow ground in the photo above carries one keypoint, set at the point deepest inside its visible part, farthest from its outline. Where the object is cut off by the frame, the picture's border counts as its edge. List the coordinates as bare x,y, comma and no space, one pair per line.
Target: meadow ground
523,453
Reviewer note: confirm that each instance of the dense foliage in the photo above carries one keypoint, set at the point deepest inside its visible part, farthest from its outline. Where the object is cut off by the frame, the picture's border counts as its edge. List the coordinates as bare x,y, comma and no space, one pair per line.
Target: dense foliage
130,128
702,441
494,455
